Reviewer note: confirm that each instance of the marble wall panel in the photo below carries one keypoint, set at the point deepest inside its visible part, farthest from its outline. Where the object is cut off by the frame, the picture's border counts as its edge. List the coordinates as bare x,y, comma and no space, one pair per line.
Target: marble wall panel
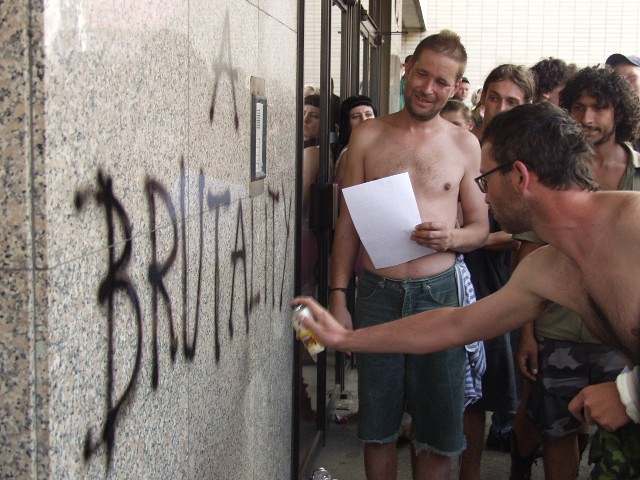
151,427
282,11
277,54
128,91
16,412
39,376
116,80
14,135
219,98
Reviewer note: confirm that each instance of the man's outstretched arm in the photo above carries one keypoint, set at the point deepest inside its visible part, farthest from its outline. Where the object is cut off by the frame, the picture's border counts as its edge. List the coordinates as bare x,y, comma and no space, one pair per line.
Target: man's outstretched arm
431,331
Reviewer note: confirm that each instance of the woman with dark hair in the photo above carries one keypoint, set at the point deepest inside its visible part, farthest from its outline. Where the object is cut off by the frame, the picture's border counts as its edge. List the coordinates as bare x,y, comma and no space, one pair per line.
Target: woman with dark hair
353,112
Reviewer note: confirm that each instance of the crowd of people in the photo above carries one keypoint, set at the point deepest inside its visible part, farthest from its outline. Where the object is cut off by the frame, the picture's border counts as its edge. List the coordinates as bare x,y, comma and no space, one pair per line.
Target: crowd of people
552,150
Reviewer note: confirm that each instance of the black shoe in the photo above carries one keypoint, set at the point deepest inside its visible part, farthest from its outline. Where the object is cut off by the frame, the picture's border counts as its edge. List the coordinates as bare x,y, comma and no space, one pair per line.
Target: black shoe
493,441
499,442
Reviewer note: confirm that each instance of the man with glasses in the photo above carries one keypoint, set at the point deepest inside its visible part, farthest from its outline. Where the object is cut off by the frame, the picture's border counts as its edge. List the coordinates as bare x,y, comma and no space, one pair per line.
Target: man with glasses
536,175
558,354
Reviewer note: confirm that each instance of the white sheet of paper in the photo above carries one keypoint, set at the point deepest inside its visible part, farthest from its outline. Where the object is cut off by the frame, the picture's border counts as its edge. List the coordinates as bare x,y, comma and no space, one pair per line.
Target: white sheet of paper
385,212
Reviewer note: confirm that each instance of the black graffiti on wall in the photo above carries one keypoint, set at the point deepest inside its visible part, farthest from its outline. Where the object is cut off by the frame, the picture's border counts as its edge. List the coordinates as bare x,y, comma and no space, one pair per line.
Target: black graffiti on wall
157,272
115,281
160,266
220,67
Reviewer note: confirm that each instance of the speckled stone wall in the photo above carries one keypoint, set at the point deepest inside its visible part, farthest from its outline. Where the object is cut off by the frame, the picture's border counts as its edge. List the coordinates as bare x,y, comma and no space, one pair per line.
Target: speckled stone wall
144,291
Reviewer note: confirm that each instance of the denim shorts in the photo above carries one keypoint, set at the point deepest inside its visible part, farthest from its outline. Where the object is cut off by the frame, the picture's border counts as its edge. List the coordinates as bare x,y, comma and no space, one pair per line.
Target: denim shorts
429,387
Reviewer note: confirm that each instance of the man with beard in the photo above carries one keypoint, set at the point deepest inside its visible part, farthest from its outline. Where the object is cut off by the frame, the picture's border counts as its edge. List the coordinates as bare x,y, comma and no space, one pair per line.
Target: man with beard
536,176
442,160
559,355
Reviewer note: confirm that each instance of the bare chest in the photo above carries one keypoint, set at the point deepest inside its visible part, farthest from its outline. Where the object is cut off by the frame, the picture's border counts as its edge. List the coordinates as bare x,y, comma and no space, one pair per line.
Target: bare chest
433,171
609,177
612,300
601,291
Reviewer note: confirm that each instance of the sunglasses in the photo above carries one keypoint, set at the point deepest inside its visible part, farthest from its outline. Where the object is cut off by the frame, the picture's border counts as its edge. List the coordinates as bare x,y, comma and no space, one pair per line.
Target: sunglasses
481,181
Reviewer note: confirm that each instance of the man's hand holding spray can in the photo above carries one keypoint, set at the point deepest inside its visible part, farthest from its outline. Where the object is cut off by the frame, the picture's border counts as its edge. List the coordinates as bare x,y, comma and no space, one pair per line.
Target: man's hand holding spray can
305,336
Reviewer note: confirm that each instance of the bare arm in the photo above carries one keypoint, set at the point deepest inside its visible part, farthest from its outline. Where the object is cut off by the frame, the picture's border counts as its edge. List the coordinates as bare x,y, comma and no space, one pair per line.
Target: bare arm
499,241
346,242
435,330
474,209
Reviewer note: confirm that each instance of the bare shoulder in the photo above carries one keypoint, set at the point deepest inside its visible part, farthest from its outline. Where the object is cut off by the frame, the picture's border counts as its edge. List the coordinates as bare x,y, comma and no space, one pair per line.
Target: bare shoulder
368,132
550,274
464,140
543,257
622,209
630,207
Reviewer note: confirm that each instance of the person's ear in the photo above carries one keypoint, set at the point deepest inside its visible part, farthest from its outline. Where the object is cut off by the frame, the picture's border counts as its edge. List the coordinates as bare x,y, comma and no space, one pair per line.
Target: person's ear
522,176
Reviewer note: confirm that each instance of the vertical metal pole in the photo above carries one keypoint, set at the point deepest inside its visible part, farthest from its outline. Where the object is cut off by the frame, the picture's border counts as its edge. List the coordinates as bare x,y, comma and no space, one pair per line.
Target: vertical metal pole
374,75
323,179
297,360
365,66
345,52
355,48
385,57
345,91
325,90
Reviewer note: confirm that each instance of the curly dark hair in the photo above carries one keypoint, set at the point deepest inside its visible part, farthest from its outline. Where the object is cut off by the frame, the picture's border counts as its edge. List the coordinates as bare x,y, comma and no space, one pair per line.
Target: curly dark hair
549,73
608,88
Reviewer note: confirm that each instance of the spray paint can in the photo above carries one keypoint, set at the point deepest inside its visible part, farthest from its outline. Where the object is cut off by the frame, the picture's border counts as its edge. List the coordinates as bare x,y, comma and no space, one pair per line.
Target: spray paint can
305,336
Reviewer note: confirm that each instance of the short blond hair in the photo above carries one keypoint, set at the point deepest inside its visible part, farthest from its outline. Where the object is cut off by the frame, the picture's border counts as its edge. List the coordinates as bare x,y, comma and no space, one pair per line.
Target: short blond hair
446,42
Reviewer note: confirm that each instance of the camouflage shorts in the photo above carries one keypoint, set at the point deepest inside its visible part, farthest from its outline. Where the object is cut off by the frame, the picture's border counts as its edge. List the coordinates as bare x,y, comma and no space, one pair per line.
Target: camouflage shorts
565,368
616,455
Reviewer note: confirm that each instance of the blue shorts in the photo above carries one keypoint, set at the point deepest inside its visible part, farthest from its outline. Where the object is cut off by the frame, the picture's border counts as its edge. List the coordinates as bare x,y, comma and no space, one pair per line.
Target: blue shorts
429,387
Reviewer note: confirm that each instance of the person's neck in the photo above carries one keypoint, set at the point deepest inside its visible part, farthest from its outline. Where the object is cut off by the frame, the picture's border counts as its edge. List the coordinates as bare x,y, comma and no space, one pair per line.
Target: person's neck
609,152
569,220
412,124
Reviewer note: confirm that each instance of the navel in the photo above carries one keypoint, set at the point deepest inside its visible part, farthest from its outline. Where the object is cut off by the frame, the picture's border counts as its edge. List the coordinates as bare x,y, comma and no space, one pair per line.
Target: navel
447,186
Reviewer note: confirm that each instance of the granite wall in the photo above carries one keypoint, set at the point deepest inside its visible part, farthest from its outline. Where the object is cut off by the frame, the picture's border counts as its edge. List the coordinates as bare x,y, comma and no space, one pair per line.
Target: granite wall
144,288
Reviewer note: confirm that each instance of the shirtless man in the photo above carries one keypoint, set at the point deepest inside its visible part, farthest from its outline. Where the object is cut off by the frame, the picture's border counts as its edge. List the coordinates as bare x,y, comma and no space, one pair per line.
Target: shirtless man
563,357
536,177
442,160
